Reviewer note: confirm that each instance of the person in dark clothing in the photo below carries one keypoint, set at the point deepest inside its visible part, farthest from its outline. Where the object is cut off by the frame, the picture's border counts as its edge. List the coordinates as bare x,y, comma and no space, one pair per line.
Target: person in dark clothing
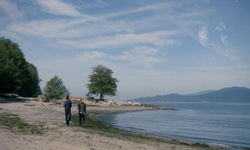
82,112
67,106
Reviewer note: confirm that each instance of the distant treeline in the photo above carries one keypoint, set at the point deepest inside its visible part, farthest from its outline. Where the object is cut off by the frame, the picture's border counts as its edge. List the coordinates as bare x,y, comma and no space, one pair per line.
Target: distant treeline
16,74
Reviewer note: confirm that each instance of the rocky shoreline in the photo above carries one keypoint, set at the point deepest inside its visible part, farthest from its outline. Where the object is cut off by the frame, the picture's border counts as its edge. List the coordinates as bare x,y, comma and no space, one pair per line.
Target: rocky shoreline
128,103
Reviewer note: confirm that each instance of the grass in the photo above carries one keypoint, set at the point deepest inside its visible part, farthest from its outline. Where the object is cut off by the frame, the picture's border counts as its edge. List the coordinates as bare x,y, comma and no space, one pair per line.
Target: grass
15,124
94,124
197,144
107,130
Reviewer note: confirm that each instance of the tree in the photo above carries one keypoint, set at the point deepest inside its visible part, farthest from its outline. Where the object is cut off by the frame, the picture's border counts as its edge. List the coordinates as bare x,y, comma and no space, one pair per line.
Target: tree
11,64
55,89
101,82
30,86
16,74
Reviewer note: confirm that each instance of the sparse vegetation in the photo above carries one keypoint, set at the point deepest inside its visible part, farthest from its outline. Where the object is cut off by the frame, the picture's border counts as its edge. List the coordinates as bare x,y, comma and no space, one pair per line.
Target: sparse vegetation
197,144
15,124
200,145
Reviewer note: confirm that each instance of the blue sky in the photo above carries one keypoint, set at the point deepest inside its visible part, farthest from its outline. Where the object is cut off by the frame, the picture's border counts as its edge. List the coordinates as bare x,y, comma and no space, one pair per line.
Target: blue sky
154,47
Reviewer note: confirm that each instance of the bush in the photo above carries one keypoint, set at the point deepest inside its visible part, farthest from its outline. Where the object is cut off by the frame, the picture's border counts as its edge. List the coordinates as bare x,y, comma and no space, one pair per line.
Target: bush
55,89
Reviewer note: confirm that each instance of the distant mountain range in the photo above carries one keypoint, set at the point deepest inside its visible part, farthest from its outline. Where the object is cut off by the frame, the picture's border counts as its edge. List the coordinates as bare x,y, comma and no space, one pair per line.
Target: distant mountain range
231,94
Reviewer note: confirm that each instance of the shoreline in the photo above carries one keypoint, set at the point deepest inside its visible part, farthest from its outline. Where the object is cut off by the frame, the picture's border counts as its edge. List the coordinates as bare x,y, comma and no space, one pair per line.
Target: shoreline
106,110
56,134
125,109
156,138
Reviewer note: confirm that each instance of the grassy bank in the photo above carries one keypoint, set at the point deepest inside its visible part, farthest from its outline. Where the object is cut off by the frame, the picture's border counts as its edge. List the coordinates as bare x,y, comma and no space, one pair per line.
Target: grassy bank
110,131
14,123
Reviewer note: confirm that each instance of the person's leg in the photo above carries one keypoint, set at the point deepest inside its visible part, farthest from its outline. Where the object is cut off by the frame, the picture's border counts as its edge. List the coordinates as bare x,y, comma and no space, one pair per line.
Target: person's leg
69,117
66,118
83,117
80,120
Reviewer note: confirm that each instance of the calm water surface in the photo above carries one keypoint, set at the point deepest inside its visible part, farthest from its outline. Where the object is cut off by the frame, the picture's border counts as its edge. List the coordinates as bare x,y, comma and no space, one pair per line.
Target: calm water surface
218,123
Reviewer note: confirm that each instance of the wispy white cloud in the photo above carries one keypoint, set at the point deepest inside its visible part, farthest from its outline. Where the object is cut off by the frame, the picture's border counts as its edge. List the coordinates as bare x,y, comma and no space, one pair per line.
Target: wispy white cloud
224,39
58,7
44,28
218,28
10,9
216,46
58,29
153,38
88,32
135,10
226,52
158,15
90,56
140,56
203,38
143,56
91,4
221,26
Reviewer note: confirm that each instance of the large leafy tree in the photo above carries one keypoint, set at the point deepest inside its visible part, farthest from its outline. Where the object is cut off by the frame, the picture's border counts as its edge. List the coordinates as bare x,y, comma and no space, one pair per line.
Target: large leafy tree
16,74
101,82
30,86
55,89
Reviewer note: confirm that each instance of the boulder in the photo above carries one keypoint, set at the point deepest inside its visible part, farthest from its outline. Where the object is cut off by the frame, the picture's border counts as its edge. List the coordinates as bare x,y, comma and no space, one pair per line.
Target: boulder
41,98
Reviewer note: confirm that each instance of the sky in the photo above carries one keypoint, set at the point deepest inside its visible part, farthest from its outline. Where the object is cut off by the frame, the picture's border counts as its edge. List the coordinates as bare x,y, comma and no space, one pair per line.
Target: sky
153,47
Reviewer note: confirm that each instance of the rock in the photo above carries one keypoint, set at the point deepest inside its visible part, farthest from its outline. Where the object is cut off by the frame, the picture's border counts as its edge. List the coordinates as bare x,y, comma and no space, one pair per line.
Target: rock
41,98
59,101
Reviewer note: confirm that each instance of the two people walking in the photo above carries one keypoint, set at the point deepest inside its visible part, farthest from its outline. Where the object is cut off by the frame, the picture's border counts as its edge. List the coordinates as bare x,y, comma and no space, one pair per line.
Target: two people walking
81,111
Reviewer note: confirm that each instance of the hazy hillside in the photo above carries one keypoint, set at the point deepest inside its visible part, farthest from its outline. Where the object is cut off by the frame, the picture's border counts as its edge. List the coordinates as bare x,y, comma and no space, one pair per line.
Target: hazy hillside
231,94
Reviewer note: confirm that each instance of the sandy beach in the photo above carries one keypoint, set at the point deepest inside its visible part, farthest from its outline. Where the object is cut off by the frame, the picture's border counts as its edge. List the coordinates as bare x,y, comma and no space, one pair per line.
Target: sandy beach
59,136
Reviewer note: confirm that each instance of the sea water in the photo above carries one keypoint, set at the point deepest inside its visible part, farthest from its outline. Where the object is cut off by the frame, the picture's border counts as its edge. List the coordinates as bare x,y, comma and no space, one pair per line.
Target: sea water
216,123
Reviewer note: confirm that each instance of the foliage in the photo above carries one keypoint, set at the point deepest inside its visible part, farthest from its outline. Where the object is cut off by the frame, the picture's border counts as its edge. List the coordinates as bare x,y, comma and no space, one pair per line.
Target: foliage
55,89
30,86
93,124
101,82
16,74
